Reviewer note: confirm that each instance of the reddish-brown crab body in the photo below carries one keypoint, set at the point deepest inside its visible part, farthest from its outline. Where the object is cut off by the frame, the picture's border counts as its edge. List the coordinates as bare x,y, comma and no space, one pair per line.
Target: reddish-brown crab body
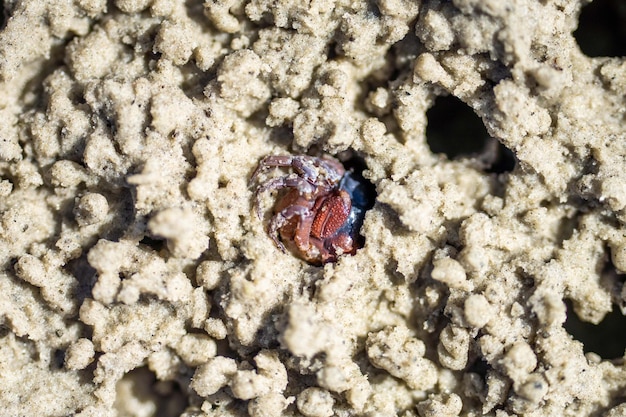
316,218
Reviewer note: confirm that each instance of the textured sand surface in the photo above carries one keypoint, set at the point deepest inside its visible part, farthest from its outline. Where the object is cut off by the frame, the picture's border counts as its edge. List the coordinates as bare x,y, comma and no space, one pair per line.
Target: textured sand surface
136,279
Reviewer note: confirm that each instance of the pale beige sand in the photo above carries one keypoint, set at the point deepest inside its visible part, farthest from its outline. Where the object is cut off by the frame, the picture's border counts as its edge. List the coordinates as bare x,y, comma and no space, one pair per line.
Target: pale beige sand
137,278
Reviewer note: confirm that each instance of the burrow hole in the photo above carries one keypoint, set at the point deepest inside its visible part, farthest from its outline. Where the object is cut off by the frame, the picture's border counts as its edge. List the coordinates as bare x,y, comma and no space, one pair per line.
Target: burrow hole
157,398
607,339
456,131
602,28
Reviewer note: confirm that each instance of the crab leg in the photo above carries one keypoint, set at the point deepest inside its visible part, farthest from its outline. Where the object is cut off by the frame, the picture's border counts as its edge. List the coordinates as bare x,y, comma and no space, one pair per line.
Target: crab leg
272,161
282,218
305,166
303,232
301,184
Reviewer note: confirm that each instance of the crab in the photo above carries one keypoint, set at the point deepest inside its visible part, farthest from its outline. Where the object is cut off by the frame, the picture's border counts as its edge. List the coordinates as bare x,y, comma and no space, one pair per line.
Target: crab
320,214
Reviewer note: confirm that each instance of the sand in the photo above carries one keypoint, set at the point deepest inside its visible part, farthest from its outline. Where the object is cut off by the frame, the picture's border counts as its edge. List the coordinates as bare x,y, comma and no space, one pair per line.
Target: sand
138,281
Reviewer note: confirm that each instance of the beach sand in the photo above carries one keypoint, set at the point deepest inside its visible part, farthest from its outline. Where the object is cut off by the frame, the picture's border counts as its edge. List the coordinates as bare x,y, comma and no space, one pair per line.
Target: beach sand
137,279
